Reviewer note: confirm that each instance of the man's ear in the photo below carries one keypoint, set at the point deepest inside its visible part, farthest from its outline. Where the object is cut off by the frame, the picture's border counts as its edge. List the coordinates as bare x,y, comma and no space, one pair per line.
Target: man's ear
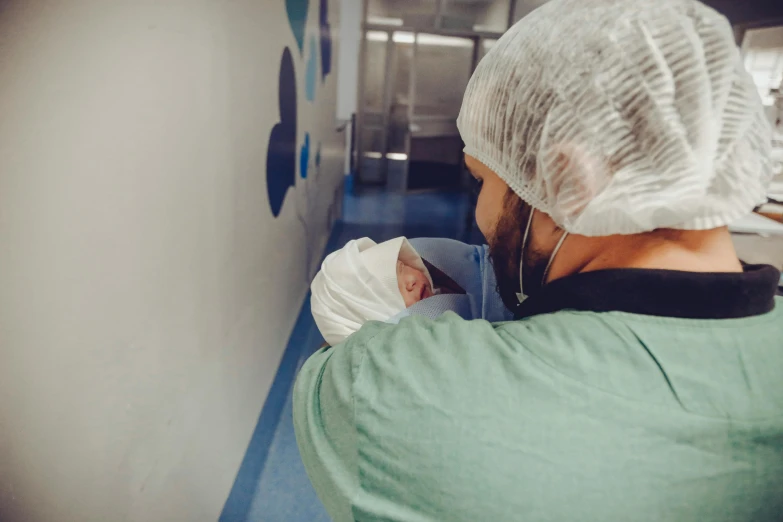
573,177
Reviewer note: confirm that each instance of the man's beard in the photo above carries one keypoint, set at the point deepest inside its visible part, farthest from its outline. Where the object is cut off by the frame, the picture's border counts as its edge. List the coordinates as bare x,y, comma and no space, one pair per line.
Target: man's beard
505,252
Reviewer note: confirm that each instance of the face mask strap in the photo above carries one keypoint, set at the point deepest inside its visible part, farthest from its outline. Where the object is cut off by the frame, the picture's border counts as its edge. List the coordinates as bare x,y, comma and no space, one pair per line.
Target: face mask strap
521,295
552,257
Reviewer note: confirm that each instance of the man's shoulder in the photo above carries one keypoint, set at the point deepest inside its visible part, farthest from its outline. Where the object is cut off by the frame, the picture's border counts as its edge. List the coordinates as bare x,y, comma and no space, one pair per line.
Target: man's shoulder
426,357
451,336
450,354
416,333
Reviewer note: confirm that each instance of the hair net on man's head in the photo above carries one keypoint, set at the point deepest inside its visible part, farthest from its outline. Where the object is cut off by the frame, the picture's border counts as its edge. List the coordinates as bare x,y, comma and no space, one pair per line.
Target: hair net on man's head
621,116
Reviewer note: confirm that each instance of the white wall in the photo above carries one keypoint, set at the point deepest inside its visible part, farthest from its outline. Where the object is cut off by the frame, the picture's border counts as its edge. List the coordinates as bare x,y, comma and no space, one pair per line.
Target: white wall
147,292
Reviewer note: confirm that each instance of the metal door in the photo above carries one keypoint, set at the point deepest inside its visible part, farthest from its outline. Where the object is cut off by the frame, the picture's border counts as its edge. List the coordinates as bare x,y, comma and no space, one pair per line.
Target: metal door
383,119
441,71
412,90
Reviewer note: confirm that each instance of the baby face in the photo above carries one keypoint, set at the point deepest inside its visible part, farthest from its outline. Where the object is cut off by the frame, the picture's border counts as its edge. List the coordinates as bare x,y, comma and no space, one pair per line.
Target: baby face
414,285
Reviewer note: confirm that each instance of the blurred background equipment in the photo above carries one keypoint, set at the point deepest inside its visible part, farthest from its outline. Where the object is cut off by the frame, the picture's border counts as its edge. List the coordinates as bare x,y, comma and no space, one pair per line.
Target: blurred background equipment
762,49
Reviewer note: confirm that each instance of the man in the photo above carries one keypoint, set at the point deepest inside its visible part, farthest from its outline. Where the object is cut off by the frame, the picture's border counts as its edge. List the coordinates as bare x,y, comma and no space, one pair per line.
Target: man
643,376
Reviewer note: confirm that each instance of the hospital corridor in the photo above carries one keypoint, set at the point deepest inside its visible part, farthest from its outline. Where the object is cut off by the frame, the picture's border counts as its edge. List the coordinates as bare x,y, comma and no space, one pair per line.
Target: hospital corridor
399,260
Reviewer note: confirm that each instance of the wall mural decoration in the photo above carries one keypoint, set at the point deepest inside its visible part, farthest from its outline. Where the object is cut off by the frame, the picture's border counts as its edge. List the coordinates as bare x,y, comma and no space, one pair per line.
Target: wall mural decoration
281,154
311,70
304,157
326,39
297,19
306,203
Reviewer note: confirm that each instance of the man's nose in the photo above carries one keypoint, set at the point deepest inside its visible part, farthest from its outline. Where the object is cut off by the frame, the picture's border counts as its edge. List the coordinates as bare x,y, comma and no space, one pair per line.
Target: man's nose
410,284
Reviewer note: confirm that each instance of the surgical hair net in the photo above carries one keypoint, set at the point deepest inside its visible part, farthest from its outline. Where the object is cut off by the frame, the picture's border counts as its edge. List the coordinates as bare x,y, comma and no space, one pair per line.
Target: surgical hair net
621,117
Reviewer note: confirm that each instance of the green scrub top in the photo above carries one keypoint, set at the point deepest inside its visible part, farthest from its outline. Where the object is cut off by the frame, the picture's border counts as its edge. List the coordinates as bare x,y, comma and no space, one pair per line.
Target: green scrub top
571,414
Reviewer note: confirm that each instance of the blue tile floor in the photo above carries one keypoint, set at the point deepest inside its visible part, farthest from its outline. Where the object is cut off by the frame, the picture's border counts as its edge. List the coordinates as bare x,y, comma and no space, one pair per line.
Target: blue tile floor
272,485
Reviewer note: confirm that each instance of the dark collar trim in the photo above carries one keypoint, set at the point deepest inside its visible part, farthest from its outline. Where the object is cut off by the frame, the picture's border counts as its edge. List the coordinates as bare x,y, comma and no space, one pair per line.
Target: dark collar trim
665,293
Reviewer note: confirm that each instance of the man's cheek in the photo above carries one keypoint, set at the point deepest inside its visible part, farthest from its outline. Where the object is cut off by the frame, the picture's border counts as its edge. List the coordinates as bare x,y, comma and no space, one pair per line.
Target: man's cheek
485,218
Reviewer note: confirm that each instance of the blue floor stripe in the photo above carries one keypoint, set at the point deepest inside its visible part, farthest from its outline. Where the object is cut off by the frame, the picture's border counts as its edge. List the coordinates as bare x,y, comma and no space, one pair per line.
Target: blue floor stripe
246,482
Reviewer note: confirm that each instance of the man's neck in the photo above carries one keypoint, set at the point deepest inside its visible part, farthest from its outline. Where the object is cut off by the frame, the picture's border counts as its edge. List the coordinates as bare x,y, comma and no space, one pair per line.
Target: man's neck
681,250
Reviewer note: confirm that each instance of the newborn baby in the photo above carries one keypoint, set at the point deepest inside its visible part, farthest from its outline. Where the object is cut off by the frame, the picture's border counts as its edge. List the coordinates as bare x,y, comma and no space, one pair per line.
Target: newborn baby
365,281
413,283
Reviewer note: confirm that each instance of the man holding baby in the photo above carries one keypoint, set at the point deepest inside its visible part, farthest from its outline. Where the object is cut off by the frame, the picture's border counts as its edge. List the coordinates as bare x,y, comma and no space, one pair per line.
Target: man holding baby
640,378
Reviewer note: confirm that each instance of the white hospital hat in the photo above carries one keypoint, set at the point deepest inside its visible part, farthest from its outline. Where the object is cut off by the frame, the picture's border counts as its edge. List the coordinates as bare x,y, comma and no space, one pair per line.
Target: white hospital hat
358,283
621,117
